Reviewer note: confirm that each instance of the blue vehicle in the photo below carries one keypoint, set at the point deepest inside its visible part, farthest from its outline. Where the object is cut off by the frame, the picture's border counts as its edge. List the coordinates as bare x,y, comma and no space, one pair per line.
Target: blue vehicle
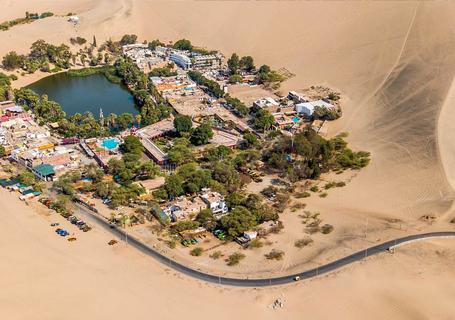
62,232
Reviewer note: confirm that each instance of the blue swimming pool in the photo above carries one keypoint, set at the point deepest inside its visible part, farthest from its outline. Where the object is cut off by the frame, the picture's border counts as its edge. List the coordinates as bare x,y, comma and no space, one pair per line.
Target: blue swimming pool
296,119
110,144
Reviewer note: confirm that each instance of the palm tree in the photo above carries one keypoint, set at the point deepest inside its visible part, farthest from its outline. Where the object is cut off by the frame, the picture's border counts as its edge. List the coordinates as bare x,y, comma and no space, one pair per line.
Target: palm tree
83,57
138,120
124,220
77,117
112,118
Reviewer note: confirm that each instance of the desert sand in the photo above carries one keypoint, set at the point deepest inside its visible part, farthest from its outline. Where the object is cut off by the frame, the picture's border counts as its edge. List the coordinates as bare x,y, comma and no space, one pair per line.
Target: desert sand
394,62
43,276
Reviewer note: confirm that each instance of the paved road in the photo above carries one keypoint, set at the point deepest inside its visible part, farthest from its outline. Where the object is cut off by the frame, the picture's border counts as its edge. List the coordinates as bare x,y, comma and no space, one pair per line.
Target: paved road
329,267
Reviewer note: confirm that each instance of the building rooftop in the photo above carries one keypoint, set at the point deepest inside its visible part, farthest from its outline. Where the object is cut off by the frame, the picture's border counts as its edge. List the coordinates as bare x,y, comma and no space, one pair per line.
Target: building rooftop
223,138
266,102
211,196
44,169
157,129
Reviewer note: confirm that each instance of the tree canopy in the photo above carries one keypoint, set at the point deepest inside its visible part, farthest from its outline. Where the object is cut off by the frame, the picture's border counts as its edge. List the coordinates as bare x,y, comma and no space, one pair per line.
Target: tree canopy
183,124
128,39
183,44
201,135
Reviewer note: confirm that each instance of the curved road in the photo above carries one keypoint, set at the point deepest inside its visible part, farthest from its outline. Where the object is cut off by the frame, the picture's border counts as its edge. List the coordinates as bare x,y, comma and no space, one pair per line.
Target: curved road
329,267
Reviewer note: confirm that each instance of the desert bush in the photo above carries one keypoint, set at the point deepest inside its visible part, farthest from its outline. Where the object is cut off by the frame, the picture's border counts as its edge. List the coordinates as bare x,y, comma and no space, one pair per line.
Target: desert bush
235,259
298,206
326,229
300,195
329,185
197,252
314,189
303,242
275,254
255,243
313,226
323,195
216,255
171,244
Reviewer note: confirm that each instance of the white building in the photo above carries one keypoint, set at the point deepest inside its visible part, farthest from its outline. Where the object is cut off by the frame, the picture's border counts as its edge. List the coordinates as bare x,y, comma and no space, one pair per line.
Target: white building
307,108
297,97
250,235
181,60
206,61
183,209
266,103
215,202
74,19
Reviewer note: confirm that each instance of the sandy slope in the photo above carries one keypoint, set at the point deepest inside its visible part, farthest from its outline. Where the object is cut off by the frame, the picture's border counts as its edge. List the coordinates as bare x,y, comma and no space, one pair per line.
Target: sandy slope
395,62
47,277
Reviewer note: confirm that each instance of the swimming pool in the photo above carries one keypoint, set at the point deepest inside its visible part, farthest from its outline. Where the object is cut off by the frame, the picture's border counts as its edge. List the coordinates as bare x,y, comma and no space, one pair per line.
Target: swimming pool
295,119
110,144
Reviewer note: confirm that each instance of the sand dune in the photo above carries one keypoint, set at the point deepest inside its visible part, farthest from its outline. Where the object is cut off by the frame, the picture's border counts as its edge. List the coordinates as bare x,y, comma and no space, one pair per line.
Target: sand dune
399,123
394,63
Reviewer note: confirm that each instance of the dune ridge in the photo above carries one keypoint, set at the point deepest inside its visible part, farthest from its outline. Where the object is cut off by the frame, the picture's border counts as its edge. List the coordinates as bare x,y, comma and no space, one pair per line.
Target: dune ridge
394,63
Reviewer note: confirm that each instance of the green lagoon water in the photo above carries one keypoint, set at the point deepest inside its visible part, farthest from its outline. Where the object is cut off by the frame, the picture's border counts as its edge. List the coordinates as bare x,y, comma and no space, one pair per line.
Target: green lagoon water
82,94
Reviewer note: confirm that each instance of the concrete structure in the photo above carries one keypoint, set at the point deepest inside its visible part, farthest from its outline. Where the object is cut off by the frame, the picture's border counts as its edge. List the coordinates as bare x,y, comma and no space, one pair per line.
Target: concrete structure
282,121
183,208
214,201
266,103
297,97
154,152
181,60
157,129
250,235
142,56
153,131
44,172
307,108
5,105
224,138
210,61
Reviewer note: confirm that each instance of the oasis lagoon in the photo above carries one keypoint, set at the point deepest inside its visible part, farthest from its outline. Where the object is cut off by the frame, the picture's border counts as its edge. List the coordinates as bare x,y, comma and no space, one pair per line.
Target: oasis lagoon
87,93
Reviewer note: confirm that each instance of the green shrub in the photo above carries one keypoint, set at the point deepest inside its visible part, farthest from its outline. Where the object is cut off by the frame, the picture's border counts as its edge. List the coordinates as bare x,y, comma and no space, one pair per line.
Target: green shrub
255,243
329,185
323,195
275,254
300,195
314,189
46,15
235,258
303,242
197,252
326,229
216,255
